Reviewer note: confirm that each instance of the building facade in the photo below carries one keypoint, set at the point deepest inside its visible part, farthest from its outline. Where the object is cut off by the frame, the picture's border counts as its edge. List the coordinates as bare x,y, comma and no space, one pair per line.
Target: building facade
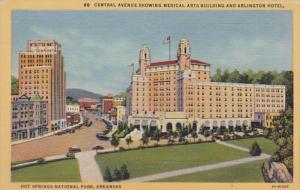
73,118
265,119
88,103
41,72
107,105
29,117
118,102
72,108
173,93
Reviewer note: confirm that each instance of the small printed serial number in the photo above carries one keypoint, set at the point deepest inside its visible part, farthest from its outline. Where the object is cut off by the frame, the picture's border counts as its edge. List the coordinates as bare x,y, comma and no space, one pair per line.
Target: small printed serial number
280,186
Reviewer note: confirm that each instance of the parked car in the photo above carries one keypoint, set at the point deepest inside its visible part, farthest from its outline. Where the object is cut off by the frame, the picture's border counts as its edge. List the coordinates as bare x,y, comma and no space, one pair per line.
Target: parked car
60,133
98,147
102,137
74,149
181,139
164,137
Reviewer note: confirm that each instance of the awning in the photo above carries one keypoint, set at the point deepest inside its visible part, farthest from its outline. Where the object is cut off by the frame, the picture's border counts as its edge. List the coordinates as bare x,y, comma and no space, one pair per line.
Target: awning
144,123
207,124
153,123
136,122
215,124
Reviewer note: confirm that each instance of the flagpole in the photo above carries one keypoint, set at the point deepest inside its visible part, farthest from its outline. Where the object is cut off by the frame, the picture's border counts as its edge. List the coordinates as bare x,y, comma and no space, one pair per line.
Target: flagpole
132,69
170,48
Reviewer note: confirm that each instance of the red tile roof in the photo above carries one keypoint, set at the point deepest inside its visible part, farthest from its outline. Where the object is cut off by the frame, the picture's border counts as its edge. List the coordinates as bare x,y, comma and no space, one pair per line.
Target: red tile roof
161,63
171,62
197,62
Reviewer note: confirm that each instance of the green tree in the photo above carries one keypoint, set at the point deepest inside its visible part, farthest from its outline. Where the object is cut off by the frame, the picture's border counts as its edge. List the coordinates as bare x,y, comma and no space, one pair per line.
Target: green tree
124,172
117,175
128,141
225,77
70,100
194,135
249,75
115,142
145,139
156,135
255,149
289,82
189,128
267,78
14,85
169,133
107,175
234,76
218,75
282,135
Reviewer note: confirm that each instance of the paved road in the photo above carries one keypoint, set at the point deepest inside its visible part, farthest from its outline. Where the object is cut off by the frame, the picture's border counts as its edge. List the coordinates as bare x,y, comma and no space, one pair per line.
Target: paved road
85,138
88,167
198,169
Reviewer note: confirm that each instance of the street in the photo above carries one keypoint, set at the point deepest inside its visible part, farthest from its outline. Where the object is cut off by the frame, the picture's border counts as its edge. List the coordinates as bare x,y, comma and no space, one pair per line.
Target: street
84,138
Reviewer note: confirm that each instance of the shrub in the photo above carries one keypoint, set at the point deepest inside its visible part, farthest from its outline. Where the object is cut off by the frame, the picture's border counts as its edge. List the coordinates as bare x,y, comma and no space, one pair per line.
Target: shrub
121,148
107,175
117,175
114,141
288,162
70,155
266,132
124,172
170,141
41,161
141,147
255,149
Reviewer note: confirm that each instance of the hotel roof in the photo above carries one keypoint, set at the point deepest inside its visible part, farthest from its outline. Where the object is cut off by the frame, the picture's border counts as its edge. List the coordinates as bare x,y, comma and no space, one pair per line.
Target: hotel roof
172,62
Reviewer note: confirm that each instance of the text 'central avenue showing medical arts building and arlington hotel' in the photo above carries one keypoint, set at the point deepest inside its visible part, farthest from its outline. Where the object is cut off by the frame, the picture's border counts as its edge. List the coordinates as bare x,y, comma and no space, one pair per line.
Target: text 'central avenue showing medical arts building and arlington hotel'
173,93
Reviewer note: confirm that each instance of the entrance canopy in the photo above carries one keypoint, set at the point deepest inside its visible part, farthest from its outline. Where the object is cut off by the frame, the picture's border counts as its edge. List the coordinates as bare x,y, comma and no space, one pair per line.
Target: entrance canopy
136,122
153,123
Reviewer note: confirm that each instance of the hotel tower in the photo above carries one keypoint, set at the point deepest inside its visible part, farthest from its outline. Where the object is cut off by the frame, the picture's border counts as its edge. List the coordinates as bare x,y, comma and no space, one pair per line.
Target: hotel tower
173,93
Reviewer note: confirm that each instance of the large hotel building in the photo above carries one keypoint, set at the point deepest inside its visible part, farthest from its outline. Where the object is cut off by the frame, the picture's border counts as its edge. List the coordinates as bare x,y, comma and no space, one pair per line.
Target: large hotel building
41,72
173,93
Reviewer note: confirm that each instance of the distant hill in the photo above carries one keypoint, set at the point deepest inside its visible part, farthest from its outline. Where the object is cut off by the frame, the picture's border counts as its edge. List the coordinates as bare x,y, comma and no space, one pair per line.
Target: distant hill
80,93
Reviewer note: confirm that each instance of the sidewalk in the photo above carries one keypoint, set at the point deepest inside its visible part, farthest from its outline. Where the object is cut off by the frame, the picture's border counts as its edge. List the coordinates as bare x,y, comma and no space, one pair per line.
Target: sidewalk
48,134
88,167
205,167
197,169
237,147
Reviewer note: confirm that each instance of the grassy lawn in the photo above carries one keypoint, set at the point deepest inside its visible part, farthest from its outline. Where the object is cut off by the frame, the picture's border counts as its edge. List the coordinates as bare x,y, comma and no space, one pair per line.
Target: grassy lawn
249,172
266,145
59,171
155,160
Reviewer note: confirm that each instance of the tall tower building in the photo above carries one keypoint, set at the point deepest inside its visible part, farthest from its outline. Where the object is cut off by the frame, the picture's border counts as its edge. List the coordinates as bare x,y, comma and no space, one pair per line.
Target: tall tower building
184,54
41,72
144,60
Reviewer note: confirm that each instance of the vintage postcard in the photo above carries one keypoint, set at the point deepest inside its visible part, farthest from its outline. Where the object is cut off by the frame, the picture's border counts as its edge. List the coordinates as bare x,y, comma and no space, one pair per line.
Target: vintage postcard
149,95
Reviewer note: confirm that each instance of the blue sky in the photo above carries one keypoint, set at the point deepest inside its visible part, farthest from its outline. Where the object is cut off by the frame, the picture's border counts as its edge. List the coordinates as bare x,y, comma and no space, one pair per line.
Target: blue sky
99,45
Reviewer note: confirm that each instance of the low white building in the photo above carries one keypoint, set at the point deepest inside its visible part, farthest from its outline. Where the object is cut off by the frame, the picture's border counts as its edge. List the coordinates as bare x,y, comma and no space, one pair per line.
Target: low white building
72,108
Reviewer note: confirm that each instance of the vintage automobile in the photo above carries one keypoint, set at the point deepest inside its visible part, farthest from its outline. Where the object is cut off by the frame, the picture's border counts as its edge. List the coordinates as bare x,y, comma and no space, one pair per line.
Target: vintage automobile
74,149
98,147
